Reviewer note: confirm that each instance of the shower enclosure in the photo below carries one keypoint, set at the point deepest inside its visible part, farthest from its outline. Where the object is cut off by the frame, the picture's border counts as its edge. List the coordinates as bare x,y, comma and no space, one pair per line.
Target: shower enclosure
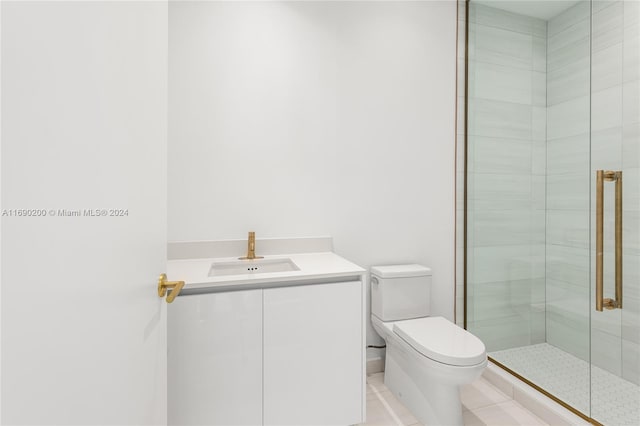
549,196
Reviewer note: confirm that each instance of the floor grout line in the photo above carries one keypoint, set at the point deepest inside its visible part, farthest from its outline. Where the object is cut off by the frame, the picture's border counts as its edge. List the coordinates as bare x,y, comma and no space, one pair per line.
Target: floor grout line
386,405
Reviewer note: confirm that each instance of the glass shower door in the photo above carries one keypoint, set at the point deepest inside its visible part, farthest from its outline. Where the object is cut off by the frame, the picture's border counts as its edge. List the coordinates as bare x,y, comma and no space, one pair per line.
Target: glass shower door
615,213
552,198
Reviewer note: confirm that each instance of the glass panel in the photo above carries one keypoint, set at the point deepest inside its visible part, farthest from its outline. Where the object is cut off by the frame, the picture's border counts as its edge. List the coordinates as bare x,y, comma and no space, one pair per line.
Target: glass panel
506,164
567,207
554,96
615,333
528,190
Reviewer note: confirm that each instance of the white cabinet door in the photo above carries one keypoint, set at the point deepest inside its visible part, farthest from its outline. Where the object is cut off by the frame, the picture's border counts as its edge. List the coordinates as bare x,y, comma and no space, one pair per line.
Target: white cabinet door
215,359
313,355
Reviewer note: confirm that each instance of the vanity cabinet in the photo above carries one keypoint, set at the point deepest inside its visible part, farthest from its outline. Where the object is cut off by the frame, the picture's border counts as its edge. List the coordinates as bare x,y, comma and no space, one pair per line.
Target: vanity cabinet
215,359
313,355
282,355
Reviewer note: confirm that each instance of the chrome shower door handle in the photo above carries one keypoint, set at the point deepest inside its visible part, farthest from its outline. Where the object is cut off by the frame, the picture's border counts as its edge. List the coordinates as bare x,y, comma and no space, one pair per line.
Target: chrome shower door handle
601,177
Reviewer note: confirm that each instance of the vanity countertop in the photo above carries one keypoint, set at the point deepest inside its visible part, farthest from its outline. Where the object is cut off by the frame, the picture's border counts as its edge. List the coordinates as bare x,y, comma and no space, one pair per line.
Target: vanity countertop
314,268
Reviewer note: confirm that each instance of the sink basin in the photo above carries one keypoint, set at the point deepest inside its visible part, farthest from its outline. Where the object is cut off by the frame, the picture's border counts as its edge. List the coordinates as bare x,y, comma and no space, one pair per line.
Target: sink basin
256,266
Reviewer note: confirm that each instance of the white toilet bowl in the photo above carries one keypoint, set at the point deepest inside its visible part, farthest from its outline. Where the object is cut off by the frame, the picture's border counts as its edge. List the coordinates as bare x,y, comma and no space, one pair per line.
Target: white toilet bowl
427,360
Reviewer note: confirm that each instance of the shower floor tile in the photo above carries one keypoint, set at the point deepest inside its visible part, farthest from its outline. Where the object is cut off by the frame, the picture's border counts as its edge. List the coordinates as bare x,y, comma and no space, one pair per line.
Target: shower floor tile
614,401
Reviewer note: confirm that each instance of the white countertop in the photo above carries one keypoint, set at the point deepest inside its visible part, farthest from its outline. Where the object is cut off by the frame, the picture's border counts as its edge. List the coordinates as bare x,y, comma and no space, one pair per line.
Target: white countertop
314,267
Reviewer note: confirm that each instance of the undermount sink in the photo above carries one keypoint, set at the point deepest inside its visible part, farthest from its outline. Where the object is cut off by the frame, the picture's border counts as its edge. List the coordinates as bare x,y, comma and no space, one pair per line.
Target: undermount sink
254,266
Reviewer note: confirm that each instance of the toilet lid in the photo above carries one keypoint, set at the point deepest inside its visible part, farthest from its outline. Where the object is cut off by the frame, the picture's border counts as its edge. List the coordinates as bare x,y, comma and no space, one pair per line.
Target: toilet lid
441,340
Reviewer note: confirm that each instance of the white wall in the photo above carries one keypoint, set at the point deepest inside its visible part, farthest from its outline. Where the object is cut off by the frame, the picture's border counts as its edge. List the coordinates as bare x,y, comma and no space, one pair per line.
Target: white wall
317,118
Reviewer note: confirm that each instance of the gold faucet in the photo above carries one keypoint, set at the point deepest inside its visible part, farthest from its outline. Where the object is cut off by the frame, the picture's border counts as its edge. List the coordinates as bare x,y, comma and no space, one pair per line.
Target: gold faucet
251,249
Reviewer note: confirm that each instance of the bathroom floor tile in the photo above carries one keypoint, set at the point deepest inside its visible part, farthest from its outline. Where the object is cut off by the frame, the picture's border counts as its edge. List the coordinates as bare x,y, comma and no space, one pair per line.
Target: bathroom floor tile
383,408
483,404
503,414
376,381
371,395
398,408
479,394
378,415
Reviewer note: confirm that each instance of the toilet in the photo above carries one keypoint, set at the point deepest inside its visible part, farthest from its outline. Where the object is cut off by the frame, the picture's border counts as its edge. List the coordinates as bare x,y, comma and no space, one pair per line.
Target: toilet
427,357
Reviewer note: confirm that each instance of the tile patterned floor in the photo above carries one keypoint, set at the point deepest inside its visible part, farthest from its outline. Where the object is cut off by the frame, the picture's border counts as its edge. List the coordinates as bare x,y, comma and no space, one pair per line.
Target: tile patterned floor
613,401
482,403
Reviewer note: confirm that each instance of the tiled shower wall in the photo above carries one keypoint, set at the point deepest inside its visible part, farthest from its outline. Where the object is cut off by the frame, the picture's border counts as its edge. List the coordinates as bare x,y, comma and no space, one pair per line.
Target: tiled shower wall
506,166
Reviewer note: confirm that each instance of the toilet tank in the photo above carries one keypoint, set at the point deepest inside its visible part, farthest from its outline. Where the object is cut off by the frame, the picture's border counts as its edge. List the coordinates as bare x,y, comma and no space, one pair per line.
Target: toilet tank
400,292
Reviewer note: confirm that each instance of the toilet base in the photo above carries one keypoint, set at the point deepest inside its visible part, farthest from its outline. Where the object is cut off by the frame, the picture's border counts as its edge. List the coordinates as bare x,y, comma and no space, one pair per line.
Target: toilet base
432,405
429,390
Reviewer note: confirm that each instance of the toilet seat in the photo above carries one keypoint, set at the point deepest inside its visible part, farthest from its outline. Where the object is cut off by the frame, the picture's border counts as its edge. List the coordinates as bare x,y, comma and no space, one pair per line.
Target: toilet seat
441,340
